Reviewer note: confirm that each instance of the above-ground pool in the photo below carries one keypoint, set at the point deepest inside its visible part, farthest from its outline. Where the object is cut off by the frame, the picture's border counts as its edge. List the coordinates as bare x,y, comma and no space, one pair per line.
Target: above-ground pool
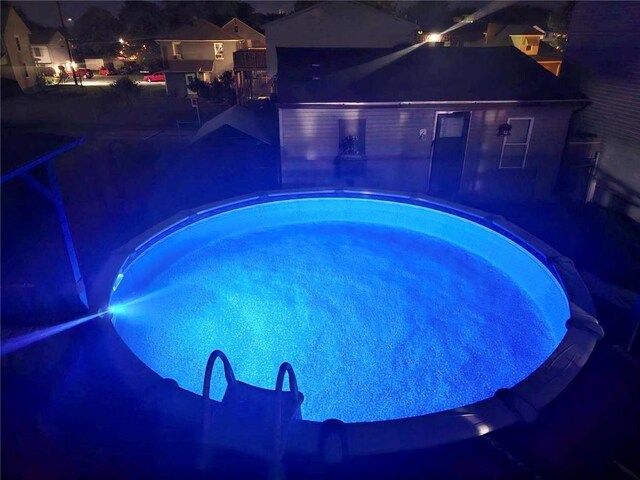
387,307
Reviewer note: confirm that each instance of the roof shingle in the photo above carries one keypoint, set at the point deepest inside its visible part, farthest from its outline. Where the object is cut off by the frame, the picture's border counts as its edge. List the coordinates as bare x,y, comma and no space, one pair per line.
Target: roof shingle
200,30
415,74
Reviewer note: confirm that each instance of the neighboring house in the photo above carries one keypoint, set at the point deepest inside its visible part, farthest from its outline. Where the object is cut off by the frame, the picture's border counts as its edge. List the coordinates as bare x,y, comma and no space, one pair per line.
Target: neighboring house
337,25
602,58
251,37
17,62
525,38
202,50
249,63
423,119
48,48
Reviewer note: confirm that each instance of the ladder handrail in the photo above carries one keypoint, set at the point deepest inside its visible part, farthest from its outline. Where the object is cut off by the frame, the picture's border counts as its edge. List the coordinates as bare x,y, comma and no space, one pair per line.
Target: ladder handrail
228,372
293,383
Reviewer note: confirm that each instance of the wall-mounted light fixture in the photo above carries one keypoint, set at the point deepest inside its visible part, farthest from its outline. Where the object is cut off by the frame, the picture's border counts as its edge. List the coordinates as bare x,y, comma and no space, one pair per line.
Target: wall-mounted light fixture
504,130
434,38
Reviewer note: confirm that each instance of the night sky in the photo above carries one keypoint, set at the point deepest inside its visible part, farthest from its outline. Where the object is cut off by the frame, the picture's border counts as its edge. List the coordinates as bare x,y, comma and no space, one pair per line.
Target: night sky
46,13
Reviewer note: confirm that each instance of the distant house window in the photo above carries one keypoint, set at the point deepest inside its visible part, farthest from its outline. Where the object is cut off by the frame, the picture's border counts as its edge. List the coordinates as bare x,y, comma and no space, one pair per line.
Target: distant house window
177,50
26,70
218,49
37,52
516,145
528,47
18,43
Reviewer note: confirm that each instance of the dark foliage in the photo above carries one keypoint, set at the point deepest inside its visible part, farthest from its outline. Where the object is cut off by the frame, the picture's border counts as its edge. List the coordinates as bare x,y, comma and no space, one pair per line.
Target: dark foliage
220,90
96,33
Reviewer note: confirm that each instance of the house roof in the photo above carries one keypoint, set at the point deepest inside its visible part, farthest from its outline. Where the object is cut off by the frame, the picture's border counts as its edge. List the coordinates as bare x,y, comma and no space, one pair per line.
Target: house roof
415,74
547,53
502,36
5,13
259,125
41,35
340,4
200,30
234,21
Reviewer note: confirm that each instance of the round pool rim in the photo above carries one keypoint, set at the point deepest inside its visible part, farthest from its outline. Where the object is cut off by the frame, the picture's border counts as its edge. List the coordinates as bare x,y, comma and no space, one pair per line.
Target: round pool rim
520,403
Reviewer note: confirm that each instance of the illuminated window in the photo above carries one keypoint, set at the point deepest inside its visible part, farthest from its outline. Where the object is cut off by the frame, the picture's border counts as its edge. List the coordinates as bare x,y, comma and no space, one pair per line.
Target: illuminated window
218,49
516,145
18,43
177,50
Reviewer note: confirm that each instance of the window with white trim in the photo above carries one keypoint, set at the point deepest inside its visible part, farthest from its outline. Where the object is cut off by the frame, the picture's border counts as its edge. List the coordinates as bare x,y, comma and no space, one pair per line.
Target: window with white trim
177,50
516,145
218,49
37,52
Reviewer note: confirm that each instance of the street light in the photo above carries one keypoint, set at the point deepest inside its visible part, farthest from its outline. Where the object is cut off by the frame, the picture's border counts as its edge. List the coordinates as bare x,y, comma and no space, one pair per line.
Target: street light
121,40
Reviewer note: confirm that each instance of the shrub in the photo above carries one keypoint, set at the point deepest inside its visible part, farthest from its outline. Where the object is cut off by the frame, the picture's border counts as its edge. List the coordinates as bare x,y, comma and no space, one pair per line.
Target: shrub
126,89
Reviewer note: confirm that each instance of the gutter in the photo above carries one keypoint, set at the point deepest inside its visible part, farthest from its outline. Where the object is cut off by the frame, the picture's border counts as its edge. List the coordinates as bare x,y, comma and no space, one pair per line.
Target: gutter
431,102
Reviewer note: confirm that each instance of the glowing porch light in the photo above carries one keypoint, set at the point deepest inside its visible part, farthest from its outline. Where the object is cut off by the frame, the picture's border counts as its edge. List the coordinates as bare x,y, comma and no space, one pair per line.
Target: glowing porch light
434,38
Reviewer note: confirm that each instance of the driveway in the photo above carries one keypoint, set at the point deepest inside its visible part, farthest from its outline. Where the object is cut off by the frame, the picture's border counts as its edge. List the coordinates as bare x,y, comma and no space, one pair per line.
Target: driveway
105,81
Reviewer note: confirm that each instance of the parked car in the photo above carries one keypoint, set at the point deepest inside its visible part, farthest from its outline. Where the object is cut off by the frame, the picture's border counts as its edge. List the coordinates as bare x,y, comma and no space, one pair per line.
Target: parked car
82,73
127,70
107,71
154,77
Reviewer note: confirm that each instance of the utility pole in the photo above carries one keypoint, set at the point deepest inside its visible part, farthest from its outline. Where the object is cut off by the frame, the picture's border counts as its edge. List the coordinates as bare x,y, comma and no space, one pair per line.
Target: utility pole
66,40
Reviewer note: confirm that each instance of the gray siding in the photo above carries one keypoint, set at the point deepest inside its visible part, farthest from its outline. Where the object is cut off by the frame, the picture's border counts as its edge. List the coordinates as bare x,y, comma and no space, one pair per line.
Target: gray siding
200,50
603,58
400,160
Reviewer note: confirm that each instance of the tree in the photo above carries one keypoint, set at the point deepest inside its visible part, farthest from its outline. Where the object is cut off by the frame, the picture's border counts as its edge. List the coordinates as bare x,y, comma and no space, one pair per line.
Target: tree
431,16
302,4
390,7
139,19
558,24
177,14
96,33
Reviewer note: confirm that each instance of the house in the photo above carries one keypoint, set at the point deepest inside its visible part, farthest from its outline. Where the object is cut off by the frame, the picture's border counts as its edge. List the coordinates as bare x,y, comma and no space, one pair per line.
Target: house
16,64
251,37
602,58
49,49
525,38
423,119
249,63
201,50
337,25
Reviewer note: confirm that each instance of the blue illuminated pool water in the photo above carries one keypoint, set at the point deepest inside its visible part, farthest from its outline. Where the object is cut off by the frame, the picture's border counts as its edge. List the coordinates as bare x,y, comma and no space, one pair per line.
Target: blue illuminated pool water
384,310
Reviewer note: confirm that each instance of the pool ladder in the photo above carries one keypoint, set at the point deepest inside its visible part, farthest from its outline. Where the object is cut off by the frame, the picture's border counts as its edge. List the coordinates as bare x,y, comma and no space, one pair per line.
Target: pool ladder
249,419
